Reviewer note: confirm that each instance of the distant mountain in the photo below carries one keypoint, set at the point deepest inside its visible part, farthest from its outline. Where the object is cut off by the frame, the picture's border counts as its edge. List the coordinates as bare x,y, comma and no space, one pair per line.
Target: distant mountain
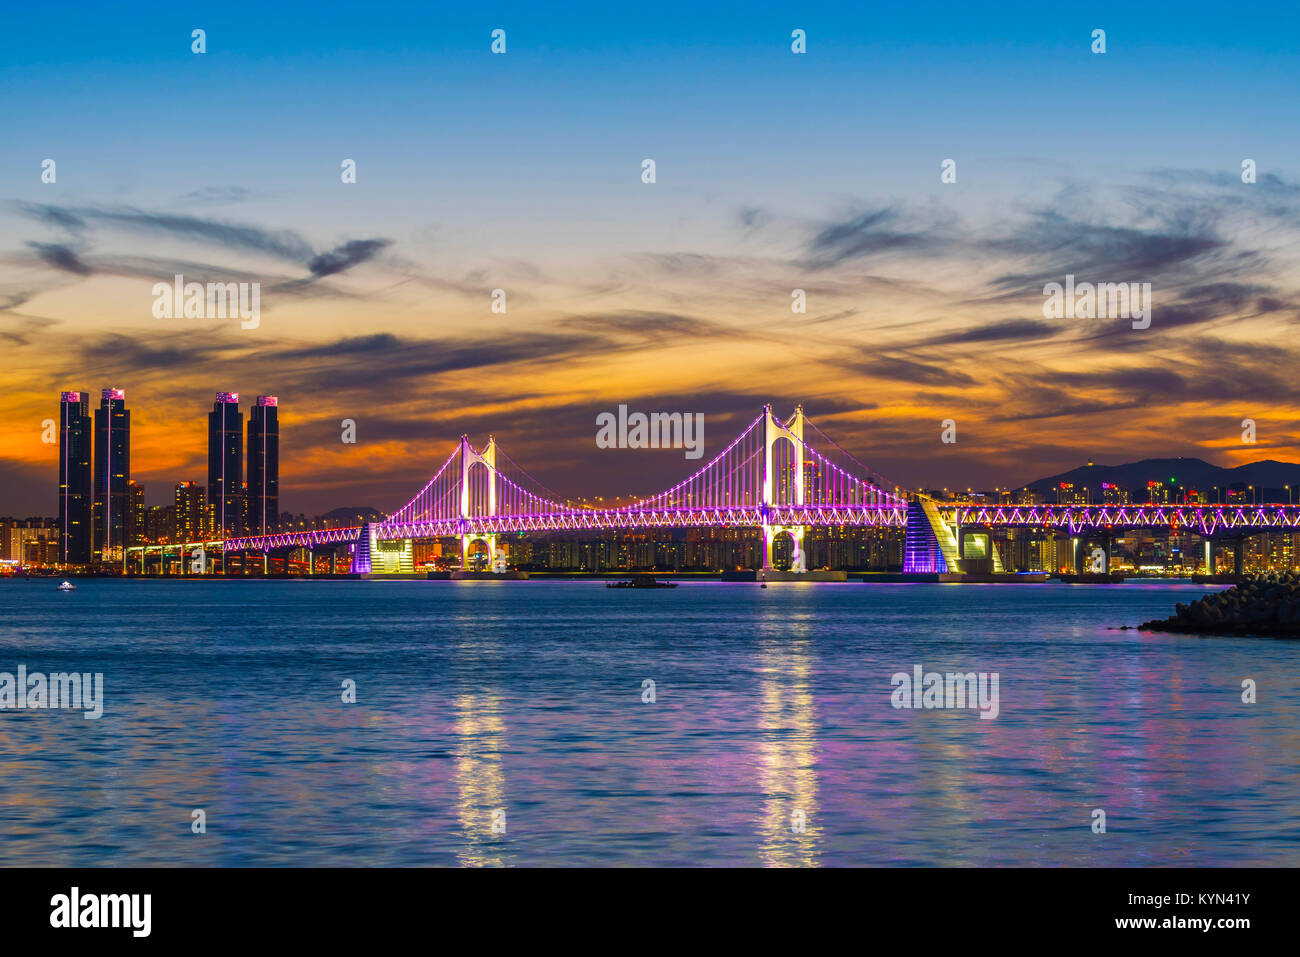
1186,472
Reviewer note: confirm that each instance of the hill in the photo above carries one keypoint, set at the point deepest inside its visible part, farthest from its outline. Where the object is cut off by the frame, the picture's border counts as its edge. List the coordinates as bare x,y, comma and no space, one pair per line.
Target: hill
1189,473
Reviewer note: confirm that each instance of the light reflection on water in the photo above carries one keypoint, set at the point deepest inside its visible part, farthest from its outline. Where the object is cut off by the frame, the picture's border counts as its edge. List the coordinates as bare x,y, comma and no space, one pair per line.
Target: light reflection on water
772,707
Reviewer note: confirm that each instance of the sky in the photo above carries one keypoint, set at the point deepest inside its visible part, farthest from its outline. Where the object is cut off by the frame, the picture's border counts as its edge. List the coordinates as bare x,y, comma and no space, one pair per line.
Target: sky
775,171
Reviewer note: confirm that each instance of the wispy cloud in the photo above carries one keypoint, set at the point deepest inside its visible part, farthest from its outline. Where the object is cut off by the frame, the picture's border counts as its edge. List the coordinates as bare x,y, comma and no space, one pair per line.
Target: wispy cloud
61,257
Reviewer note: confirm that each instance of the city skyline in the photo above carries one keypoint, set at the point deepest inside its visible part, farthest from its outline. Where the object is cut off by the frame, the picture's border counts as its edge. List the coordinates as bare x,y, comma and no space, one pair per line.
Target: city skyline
836,489
779,485
102,508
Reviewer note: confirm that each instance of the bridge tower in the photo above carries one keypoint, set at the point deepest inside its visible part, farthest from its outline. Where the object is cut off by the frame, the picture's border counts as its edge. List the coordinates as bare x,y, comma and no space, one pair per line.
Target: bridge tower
773,431
468,458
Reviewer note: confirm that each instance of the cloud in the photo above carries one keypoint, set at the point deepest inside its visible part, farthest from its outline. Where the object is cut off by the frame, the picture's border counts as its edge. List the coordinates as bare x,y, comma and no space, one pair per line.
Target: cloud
647,325
281,244
346,256
55,216
219,196
284,245
898,369
886,229
1220,302
1059,245
61,257
198,352
753,218
1014,330
357,363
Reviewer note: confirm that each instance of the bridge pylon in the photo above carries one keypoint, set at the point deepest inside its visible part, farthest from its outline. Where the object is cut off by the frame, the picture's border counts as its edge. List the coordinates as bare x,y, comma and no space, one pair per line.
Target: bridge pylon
773,431
468,458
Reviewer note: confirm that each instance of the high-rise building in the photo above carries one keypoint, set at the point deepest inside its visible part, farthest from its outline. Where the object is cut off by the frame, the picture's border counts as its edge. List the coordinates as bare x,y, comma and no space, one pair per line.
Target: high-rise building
112,474
264,465
76,489
160,524
134,513
226,464
191,513
18,538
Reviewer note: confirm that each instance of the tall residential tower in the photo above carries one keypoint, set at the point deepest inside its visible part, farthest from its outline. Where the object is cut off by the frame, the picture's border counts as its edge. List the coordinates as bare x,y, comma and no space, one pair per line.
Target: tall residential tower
76,489
226,464
263,466
112,474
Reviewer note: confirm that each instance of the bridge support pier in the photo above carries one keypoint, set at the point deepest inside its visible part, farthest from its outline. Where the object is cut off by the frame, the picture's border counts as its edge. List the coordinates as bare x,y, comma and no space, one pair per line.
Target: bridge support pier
1238,555
798,561
467,540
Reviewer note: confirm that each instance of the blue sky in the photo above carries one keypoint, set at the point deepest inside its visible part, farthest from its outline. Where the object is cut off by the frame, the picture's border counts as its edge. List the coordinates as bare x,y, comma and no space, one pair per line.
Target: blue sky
713,91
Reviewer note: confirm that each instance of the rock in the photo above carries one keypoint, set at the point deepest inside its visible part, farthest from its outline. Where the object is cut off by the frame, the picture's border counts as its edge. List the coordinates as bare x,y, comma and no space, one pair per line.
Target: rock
1267,604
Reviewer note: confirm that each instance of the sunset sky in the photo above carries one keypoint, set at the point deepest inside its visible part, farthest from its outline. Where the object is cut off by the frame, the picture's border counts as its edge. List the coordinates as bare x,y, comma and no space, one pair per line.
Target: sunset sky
775,171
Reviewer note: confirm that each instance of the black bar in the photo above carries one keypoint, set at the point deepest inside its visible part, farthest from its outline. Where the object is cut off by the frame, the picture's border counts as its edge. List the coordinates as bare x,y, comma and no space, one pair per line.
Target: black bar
948,908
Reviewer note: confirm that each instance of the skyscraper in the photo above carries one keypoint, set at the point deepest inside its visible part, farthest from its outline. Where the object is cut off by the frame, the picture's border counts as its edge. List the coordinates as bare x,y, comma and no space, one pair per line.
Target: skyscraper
264,465
226,463
134,513
191,513
160,524
76,490
112,474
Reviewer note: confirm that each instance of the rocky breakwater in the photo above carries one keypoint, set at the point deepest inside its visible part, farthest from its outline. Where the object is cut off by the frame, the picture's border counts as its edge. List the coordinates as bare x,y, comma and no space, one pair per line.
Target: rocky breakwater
1266,604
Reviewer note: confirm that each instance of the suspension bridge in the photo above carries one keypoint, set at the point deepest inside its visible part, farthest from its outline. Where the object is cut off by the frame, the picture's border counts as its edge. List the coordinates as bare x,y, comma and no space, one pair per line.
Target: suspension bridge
770,477
779,477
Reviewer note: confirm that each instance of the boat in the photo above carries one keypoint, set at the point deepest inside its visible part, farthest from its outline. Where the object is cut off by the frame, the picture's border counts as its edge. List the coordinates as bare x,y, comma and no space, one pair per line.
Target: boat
67,586
640,581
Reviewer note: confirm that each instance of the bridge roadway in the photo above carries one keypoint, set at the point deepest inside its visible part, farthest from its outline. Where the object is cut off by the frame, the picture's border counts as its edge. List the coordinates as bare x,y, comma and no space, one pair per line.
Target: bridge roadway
1211,521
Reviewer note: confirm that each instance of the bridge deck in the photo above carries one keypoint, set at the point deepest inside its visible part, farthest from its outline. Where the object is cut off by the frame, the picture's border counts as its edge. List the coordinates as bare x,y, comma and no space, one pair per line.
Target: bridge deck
1200,519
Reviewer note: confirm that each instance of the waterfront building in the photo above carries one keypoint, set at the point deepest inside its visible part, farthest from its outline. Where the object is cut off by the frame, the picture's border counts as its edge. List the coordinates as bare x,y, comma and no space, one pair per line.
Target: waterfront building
76,487
225,464
112,475
264,466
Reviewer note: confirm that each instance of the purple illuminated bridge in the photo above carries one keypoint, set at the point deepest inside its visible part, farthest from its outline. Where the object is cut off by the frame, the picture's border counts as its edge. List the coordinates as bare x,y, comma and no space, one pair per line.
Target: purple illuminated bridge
778,476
